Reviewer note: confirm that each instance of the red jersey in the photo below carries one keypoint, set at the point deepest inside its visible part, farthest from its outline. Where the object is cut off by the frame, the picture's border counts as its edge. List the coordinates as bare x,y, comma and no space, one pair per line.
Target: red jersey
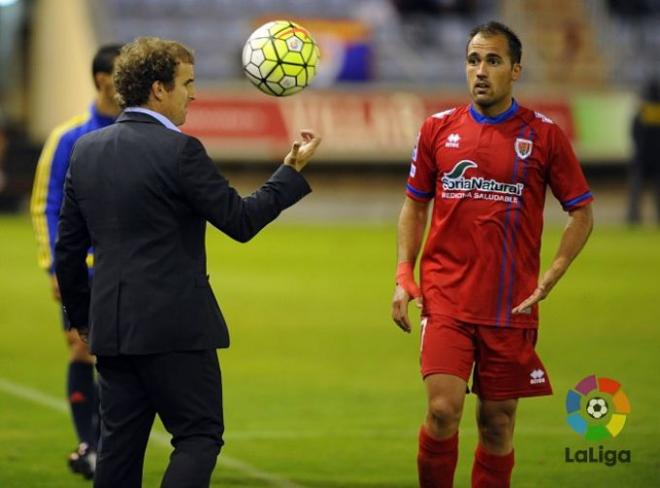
488,177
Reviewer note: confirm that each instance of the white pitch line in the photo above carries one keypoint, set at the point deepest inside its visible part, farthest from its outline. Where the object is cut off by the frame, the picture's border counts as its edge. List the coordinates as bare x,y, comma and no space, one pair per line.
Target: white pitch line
35,396
160,438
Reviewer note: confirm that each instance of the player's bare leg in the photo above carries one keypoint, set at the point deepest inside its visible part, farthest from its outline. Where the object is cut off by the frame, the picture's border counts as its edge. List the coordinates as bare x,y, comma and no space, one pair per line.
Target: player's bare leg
446,396
82,398
496,420
494,456
438,437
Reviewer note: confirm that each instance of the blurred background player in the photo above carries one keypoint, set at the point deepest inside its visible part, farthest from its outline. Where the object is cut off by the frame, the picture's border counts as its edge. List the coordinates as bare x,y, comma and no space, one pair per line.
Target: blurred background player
4,142
644,165
486,167
45,208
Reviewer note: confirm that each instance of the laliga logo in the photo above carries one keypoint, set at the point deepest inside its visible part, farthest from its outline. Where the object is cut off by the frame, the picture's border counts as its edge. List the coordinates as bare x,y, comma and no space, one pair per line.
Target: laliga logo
597,409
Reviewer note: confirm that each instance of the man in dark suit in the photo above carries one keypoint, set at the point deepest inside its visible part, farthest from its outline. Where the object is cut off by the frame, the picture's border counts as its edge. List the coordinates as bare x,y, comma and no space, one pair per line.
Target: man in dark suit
140,192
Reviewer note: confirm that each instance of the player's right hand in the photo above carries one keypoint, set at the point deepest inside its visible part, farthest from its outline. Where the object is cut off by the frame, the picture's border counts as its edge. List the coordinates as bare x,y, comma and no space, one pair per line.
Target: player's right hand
400,307
301,152
406,290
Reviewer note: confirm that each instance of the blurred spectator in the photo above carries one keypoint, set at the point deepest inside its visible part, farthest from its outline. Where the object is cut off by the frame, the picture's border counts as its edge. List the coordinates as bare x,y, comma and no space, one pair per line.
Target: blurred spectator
13,18
17,155
645,165
4,142
406,7
434,7
634,8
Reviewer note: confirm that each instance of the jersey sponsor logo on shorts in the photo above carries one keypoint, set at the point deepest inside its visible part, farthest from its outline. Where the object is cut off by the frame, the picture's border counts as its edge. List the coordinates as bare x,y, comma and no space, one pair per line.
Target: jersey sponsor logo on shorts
413,170
537,377
457,186
453,141
523,147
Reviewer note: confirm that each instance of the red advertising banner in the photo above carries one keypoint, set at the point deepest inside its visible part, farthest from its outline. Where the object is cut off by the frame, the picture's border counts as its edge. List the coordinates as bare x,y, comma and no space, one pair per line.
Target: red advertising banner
356,126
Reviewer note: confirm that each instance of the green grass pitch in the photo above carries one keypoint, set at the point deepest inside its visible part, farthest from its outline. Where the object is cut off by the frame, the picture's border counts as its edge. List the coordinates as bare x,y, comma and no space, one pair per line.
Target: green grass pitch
322,390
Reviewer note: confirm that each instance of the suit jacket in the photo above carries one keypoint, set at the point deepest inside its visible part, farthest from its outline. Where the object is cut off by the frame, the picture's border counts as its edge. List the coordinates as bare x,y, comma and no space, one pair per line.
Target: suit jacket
141,195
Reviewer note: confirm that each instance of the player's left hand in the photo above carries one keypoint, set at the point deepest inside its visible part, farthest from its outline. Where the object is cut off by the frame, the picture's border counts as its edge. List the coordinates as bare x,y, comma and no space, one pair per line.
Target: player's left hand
525,306
542,290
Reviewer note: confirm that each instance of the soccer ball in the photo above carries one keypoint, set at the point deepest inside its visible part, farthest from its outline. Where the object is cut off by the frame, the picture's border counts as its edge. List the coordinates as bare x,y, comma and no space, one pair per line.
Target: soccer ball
280,58
597,408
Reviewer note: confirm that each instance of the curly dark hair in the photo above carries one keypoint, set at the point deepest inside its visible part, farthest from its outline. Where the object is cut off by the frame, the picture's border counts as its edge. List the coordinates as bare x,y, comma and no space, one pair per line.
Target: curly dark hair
144,61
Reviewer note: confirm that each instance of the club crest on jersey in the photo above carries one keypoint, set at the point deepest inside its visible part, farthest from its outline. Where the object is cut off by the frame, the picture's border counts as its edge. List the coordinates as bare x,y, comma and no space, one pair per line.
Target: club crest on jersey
523,147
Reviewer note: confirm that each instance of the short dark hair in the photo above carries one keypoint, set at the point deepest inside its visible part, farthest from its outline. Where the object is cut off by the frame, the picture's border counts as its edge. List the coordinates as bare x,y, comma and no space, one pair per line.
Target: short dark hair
144,61
494,28
104,60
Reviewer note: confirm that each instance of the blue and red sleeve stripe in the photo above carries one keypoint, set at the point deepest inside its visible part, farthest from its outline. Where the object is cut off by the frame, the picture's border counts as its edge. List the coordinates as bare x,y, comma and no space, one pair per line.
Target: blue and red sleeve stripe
575,202
416,194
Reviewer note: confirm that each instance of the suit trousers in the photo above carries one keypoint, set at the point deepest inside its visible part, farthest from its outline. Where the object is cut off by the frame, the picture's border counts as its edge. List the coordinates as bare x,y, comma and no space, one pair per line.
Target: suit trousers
184,389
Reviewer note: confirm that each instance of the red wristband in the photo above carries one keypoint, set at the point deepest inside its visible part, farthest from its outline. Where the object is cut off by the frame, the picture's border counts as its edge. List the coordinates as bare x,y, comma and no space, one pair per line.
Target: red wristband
405,278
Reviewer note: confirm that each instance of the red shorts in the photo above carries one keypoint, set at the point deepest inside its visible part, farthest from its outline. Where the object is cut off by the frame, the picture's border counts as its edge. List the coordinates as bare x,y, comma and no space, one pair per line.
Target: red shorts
505,363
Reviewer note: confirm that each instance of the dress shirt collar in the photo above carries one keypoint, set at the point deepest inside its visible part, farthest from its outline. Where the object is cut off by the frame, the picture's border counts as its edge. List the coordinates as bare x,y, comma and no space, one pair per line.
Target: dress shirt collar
158,116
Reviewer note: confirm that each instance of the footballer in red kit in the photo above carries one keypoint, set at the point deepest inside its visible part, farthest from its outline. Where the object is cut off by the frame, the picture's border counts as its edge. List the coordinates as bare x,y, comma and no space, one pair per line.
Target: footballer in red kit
488,178
486,167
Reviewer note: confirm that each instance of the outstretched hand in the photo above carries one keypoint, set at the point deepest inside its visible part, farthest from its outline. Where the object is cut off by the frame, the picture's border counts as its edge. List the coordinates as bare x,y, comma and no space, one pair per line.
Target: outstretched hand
301,152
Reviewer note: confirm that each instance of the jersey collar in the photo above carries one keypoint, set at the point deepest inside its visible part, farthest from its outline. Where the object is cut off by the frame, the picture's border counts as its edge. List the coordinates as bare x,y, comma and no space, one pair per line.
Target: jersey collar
101,119
504,116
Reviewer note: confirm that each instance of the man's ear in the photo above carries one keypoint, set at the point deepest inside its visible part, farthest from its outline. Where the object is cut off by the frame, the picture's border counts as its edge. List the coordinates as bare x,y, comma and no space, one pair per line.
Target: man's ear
157,90
516,71
103,79
98,80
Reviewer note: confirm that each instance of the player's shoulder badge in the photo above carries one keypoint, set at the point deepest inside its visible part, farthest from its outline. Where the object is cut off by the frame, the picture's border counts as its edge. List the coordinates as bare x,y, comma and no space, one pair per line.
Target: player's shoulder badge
523,147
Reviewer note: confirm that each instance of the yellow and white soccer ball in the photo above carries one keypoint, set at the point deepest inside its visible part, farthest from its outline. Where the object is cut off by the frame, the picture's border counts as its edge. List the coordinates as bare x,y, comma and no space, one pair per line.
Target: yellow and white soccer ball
280,58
